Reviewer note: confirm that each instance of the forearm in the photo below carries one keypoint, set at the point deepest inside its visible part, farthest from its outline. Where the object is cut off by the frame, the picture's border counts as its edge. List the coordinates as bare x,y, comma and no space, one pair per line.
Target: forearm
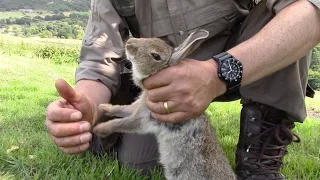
96,92
285,39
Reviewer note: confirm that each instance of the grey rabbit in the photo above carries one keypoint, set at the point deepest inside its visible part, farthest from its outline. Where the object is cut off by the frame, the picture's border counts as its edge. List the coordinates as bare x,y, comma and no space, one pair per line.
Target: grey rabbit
188,150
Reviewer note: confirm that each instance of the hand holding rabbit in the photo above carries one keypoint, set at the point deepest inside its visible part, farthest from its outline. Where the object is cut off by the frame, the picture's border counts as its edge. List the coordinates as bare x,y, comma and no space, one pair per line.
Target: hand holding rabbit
188,87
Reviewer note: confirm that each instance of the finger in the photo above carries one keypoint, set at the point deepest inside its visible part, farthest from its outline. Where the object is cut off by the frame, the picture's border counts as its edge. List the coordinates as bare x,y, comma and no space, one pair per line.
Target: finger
64,103
58,129
75,149
161,94
56,113
159,107
175,117
161,78
67,92
71,141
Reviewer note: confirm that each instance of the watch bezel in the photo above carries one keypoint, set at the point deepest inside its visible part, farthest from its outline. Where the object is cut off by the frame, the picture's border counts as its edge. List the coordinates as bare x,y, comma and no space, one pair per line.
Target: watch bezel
233,61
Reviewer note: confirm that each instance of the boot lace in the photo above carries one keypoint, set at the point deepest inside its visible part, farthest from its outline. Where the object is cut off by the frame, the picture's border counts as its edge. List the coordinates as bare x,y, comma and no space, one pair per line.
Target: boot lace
268,148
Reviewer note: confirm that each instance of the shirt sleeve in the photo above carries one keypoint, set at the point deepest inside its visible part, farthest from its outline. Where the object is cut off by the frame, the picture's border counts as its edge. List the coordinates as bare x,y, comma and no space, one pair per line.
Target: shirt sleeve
316,3
102,46
276,6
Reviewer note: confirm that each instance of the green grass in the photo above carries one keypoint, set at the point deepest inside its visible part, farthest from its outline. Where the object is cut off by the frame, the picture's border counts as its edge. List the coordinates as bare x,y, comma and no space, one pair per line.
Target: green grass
27,87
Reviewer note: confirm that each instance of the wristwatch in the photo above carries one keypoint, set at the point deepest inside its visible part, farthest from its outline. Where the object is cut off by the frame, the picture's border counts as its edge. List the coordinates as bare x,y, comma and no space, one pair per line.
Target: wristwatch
229,71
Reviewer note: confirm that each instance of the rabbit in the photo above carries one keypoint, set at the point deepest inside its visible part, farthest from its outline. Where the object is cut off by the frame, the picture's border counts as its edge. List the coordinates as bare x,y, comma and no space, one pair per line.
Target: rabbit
188,150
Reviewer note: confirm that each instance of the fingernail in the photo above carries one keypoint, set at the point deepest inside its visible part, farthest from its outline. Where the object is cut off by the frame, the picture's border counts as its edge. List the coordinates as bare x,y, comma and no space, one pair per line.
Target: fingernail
76,116
84,147
85,127
85,138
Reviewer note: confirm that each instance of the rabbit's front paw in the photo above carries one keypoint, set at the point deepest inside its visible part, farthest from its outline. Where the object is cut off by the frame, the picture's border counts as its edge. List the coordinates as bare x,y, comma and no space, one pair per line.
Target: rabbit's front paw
106,109
102,129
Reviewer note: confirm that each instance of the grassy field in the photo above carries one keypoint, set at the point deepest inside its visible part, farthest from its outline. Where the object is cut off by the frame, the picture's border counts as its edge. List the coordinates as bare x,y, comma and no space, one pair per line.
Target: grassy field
17,14
27,152
36,40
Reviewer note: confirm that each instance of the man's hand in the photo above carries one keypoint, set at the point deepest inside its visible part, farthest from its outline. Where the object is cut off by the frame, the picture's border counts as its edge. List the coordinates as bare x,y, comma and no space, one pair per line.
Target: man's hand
69,119
188,88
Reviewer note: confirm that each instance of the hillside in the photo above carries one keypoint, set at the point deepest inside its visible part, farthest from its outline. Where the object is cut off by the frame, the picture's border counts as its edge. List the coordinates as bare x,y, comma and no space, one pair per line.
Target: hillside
49,5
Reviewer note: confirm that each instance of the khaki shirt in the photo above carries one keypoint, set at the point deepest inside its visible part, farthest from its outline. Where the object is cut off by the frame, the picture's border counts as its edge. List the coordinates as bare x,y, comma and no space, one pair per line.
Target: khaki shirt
102,52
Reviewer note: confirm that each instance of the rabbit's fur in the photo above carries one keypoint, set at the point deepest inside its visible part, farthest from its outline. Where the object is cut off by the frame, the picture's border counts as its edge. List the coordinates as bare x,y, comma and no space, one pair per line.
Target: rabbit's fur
188,150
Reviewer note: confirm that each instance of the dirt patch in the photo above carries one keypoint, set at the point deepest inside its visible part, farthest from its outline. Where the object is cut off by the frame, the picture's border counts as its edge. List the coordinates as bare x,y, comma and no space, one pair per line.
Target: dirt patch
314,112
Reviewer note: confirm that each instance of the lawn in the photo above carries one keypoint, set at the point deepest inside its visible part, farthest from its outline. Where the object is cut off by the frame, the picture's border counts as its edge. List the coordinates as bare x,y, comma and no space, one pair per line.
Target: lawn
27,152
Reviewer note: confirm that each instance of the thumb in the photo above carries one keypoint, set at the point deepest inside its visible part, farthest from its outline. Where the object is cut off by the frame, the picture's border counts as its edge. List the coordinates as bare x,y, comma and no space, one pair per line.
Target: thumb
67,92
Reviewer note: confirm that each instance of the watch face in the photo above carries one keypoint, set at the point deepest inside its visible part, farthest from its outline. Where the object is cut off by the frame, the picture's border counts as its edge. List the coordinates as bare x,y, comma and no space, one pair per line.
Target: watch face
231,70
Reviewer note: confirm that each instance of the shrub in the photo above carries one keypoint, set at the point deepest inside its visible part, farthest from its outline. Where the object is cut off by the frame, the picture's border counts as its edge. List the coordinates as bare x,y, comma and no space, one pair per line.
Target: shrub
314,72
20,48
58,53
314,79
45,34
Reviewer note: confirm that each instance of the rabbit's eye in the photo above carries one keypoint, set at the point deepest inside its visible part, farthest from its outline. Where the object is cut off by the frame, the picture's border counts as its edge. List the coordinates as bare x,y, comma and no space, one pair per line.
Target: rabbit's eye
156,56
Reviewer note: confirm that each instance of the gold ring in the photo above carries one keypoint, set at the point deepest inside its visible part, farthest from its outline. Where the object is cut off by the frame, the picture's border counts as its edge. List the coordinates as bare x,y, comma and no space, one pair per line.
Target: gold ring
165,105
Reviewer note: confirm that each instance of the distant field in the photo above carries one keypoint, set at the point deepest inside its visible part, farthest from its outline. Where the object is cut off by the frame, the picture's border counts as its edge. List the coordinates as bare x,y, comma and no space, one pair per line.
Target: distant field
33,40
16,14
81,13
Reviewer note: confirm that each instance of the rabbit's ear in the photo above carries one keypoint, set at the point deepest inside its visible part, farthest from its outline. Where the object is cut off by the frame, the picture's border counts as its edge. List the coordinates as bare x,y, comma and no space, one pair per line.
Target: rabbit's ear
188,46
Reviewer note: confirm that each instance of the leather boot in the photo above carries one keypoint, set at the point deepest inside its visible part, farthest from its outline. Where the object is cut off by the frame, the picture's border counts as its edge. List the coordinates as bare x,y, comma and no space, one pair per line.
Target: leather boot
264,134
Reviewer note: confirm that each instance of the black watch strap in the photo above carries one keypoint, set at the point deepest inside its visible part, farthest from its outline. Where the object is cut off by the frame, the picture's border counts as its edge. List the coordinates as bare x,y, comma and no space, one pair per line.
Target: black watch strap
233,87
222,56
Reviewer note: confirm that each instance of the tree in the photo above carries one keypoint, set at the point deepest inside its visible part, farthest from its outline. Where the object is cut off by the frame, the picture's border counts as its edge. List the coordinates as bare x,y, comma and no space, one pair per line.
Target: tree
49,5
48,18
3,21
315,63
38,18
45,34
8,21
